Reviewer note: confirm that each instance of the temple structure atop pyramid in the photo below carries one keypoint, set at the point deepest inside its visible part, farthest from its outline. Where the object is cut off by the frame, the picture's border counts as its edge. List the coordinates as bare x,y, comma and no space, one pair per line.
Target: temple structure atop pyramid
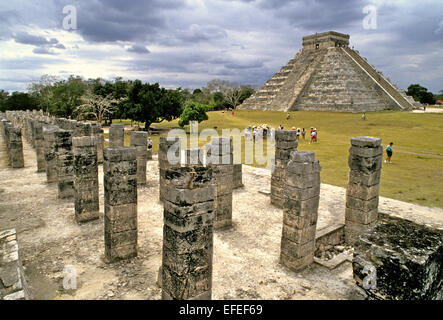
328,75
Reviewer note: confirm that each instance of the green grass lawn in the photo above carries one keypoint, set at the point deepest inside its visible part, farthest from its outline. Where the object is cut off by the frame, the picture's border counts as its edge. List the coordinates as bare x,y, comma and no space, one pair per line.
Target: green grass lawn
416,174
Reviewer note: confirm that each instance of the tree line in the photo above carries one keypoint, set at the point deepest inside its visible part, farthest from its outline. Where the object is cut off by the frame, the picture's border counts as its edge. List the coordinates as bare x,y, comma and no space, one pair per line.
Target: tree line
105,100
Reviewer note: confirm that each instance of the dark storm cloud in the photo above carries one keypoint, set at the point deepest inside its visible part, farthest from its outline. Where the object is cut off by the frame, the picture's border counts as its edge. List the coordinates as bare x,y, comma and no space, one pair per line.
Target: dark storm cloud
138,49
317,16
40,50
110,21
26,38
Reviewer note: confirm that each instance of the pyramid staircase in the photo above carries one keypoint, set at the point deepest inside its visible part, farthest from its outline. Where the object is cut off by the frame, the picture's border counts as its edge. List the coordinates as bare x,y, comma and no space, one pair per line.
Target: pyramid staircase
329,78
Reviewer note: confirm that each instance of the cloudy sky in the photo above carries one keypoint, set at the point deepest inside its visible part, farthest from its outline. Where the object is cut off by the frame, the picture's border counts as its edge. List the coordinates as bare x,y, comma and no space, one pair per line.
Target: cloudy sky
187,43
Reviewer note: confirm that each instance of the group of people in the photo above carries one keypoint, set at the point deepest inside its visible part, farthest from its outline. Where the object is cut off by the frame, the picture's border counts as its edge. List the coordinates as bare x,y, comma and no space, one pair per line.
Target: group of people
254,132
228,111
313,133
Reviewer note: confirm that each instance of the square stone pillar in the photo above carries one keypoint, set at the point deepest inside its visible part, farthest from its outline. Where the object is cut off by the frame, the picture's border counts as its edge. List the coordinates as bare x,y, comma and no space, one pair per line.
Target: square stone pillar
116,135
193,157
300,210
39,146
49,150
238,183
97,131
220,160
167,145
149,154
285,142
120,182
139,140
365,162
15,146
65,163
86,194
188,233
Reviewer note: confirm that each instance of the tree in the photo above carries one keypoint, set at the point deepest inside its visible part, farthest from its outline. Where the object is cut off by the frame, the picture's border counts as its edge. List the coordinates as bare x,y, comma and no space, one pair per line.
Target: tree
42,91
97,106
232,96
150,104
194,112
67,96
4,95
421,94
21,101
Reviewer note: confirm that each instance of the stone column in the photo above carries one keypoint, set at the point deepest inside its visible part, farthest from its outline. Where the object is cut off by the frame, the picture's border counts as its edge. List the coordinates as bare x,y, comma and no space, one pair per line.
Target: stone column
193,157
188,233
172,145
149,154
86,192
285,142
65,163
300,210
97,131
120,182
365,161
139,140
116,135
238,183
49,150
220,161
15,146
39,146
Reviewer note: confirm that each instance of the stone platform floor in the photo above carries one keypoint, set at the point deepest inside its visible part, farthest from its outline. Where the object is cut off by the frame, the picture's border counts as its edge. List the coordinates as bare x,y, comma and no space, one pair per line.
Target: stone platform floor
245,256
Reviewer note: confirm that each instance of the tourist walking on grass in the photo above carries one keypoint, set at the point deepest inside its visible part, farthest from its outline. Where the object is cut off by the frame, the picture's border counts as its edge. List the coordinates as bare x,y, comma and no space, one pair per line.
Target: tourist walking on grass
303,133
389,152
149,143
288,116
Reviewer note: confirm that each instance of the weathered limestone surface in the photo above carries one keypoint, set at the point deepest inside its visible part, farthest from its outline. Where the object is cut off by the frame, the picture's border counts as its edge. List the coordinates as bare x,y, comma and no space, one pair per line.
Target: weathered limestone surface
139,142
97,131
365,161
65,163
149,154
300,210
50,154
400,260
285,143
13,284
116,135
188,233
14,146
171,146
194,156
220,160
86,183
238,183
120,183
39,146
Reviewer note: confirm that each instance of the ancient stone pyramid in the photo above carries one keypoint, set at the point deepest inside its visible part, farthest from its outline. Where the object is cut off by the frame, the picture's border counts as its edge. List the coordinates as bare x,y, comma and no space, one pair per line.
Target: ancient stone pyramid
327,75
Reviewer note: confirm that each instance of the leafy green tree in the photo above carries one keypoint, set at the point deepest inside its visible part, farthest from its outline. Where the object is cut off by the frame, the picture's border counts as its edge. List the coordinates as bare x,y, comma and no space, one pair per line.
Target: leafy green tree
43,91
4,95
21,101
421,94
67,96
150,104
194,112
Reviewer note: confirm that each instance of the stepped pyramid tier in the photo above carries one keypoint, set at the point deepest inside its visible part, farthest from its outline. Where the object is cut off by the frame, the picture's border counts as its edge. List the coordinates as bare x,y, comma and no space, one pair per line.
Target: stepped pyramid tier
327,75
